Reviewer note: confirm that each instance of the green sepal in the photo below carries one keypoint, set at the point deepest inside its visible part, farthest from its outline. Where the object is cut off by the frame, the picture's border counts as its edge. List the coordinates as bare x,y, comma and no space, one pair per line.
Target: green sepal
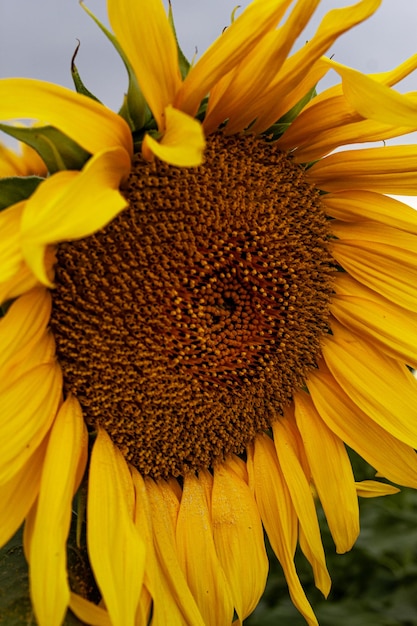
58,151
16,188
78,83
278,129
183,62
134,110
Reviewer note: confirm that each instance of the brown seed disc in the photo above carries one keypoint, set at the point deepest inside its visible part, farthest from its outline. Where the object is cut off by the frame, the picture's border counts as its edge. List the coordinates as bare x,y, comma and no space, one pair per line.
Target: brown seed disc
186,325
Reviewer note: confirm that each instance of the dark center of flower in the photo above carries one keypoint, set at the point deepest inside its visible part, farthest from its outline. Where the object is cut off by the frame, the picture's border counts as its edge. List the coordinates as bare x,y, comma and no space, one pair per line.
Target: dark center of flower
186,325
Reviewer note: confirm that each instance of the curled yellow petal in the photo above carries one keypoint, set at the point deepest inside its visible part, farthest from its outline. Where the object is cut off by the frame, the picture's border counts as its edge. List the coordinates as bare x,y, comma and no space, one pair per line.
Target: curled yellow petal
72,205
374,100
182,144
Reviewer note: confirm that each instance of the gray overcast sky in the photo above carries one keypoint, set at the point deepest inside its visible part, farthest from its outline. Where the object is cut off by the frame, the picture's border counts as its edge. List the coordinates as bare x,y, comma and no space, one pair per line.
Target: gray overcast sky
38,38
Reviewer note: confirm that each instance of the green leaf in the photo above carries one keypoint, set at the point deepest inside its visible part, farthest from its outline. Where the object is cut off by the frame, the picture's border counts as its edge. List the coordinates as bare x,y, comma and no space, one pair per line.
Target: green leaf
293,113
16,188
279,128
183,62
79,85
57,150
135,110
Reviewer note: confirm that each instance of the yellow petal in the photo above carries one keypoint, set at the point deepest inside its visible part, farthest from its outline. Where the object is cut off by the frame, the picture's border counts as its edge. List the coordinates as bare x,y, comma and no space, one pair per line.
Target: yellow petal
331,472
73,205
336,22
374,489
354,206
88,612
278,516
375,101
24,280
115,547
197,553
387,326
390,169
10,251
182,144
22,326
28,408
302,499
228,51
391,457
154,595
387,266
164,507
19,493
260,65
48,555
27,163
238,538
374,382
89,123
149,43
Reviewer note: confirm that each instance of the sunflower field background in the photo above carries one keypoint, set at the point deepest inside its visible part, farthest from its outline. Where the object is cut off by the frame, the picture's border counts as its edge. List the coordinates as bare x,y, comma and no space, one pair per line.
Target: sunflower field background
373,585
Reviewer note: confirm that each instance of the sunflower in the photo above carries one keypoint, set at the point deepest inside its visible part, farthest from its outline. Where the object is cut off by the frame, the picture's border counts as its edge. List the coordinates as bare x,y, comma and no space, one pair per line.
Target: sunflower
205,303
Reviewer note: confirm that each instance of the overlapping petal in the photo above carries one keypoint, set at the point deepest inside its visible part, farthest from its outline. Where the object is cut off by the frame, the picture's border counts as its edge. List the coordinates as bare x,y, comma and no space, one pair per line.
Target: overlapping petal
71,205
238,539
183,142
19,493
331,473
197,552
390,169
278,516
360,206
28,408
48,557
370,315
116,550
392,458
89,123
374,100
164,508
302,498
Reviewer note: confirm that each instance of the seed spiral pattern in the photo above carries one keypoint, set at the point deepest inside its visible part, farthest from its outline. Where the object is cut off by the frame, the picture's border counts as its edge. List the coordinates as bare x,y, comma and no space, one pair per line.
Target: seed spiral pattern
186,325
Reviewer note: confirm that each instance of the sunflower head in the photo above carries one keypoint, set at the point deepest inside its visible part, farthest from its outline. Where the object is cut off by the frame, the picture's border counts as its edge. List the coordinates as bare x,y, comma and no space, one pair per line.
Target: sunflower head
206,300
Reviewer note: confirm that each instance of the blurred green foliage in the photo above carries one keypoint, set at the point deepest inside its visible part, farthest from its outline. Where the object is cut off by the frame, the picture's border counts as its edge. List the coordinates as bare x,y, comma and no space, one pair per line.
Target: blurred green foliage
373,585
